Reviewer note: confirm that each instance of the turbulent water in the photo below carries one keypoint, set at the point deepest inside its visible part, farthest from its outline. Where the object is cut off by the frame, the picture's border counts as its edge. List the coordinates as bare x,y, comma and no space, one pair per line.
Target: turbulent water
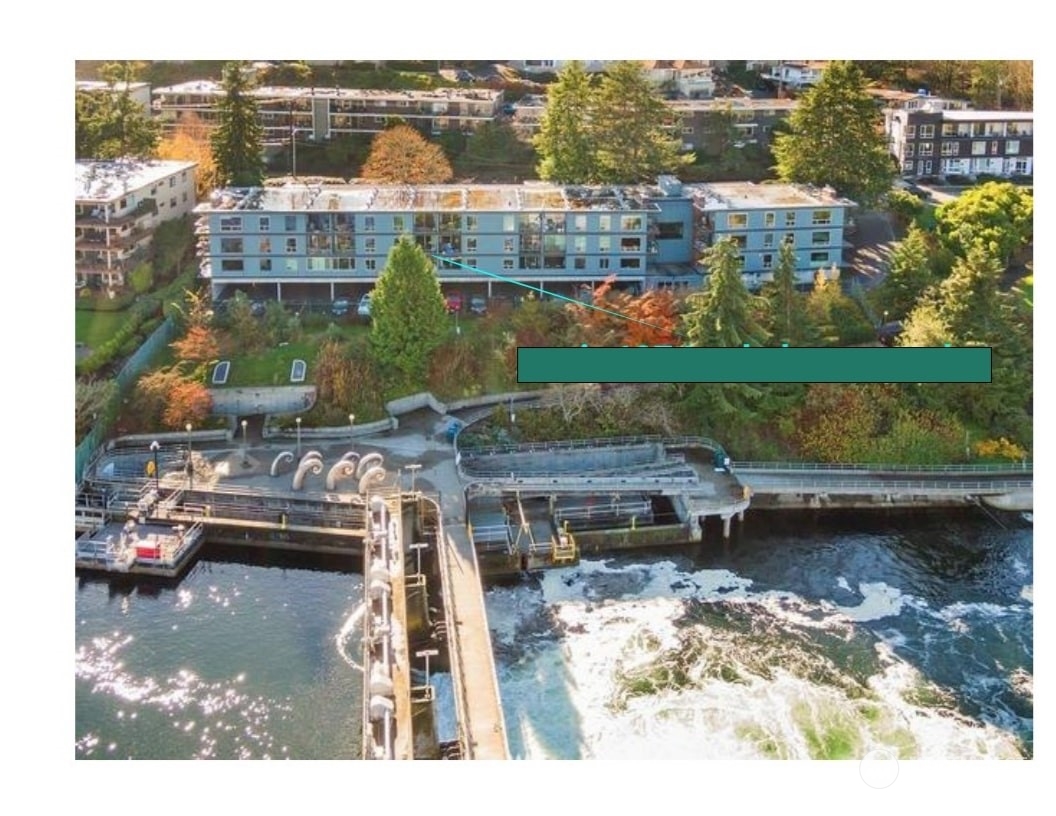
827,642
798,640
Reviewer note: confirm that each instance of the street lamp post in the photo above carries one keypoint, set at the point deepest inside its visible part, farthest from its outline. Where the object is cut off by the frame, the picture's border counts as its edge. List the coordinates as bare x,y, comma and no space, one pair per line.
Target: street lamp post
154,449
298,421
427,653
418,556
352,426
244,443
413,468
190,457
513,416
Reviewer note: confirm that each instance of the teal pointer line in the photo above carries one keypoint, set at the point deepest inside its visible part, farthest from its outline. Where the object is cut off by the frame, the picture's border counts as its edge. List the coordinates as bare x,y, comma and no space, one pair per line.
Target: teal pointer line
546,292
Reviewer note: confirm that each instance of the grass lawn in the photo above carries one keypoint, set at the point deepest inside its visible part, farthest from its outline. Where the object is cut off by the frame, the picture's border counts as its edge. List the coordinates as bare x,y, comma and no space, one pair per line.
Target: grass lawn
271,367
95,328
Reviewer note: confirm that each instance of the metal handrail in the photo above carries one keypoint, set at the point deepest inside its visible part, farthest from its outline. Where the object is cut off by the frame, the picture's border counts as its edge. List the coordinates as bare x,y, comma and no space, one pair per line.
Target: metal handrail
923,486
882,467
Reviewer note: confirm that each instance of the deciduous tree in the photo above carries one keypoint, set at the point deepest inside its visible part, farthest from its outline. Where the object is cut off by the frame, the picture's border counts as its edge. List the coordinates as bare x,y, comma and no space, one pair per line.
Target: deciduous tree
190,142
999,216
237,140
401,155
836,138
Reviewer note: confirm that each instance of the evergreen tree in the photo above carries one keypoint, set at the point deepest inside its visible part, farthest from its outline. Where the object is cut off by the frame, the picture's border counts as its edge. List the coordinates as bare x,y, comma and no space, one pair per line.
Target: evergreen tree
408,318
908,276
968,298
788,321
564,142
723,314
237,141
836,138
109,123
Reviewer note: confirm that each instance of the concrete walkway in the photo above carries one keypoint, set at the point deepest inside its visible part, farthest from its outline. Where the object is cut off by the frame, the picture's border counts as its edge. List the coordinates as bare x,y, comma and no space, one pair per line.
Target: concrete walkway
287,399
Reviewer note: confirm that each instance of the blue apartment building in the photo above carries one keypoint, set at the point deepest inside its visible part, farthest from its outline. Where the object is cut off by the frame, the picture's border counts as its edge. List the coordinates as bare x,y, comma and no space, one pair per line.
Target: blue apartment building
314,242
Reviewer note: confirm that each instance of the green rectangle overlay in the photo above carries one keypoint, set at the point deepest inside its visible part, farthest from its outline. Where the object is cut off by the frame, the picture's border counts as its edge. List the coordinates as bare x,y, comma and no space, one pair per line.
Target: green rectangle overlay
695,364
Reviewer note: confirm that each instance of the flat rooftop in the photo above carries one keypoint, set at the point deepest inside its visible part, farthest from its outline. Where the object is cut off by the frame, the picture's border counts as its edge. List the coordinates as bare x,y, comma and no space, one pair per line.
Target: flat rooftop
109,180
988,116
528,197
731,195
211,88
734,104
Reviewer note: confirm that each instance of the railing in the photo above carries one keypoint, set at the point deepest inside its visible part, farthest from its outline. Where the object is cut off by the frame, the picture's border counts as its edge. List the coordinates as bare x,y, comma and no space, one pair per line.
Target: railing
598,442
890,486
883,468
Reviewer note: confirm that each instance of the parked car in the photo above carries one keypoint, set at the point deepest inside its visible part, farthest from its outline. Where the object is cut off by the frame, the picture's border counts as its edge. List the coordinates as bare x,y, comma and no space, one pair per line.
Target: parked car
257,308
454,302
478,305
462,75
341,307
363,310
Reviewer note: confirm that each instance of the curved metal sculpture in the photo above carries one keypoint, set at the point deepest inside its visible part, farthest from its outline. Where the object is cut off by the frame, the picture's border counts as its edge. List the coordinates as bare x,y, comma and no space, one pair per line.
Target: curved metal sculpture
349,456
308,465
312,455
340,470
285,457
373,476
367,462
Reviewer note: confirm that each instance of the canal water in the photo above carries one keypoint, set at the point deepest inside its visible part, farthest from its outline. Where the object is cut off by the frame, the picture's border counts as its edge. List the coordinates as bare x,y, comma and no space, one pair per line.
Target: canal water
802,638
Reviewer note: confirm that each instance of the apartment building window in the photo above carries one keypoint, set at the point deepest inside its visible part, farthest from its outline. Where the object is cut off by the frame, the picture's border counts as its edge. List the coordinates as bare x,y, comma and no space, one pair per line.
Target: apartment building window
737,220
669,230
471,261
1022,167
949,129
630,245
768,219
172,201
1012,147
926,149
603,263
231,265
579,243
368,245
604,244
820,218
231,245
265,264
172,181
741,241
768,260
471,245
399,224
264,246
291,265
790,239
507,245
911,131
820,239
509,224
630,263
185,197
231,224
471,223
264,223
978,148
909,151
605,223
291,246
368,223
370,264
631,223
579,223
291,223
579,263
768,240
507,263
993,152
819,257
687,130
790,219
950,148
927,131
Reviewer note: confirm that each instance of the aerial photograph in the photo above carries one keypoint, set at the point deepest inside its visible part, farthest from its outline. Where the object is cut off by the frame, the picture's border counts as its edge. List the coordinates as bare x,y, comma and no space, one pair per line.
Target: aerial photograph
353,481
